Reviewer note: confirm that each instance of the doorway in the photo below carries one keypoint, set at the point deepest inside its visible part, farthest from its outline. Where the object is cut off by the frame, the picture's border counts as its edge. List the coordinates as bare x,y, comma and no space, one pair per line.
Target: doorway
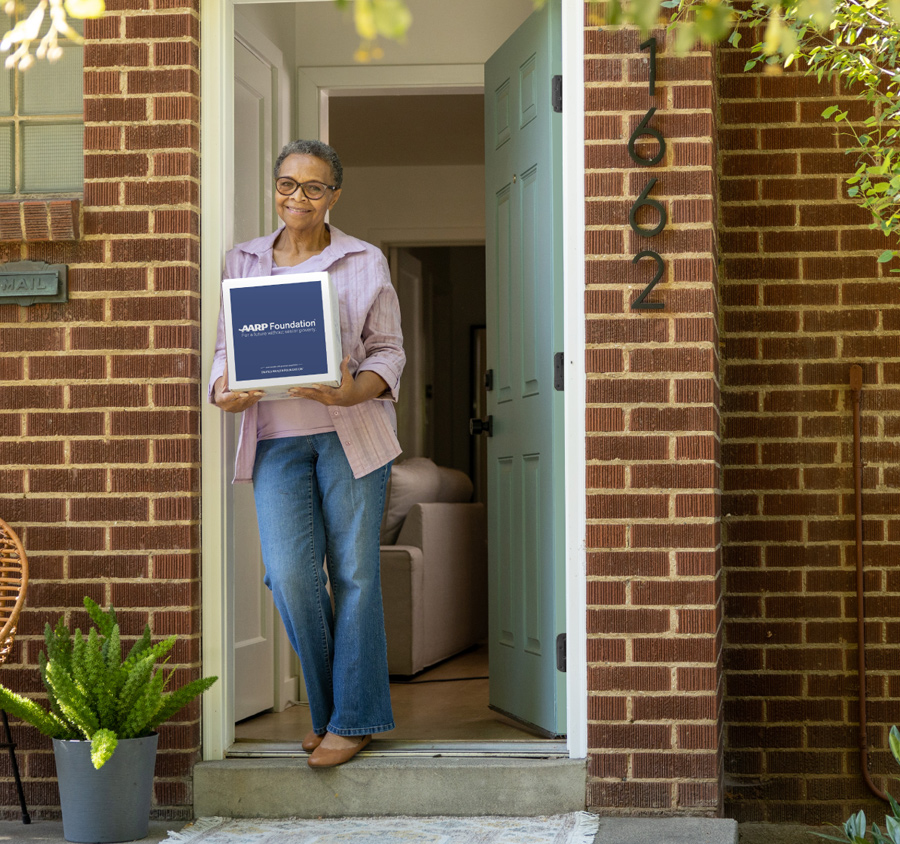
353,79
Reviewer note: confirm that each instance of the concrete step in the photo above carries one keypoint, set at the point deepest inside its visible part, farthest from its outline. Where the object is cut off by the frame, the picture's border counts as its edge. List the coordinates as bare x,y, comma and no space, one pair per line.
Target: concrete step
667,831
388,785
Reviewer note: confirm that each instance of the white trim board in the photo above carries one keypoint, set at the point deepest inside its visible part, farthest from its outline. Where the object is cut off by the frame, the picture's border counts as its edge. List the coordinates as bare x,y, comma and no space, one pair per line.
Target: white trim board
217,199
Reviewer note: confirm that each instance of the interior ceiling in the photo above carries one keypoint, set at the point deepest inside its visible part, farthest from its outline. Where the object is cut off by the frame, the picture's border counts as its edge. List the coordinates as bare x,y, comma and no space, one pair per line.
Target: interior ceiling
406,130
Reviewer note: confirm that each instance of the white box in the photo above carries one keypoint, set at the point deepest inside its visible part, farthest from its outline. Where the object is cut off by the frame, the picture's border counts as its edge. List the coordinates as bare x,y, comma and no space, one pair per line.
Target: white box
282,331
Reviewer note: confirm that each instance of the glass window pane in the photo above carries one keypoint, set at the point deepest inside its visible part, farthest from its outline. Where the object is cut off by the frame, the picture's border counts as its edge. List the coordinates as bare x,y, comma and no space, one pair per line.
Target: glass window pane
54,87
7,78
7,157
53,158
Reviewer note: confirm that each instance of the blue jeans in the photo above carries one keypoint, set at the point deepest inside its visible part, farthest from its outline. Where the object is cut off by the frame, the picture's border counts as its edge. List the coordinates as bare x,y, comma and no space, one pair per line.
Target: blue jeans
310,507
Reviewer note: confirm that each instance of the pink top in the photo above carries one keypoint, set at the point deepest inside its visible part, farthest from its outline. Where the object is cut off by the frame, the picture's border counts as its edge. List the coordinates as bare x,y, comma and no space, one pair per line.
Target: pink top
291,417
370,334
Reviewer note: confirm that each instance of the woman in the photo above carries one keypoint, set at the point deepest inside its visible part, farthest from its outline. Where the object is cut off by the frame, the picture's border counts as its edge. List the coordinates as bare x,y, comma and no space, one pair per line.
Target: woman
320,461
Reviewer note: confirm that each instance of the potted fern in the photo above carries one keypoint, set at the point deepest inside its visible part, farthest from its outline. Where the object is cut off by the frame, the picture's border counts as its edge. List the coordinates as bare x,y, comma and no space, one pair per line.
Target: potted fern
103,714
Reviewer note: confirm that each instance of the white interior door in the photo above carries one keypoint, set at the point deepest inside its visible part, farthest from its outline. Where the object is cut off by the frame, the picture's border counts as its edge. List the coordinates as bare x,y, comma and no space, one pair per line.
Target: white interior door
254,612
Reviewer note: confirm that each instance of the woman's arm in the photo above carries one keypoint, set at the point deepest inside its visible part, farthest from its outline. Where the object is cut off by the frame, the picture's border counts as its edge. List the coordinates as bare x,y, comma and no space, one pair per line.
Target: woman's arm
365,386
382,336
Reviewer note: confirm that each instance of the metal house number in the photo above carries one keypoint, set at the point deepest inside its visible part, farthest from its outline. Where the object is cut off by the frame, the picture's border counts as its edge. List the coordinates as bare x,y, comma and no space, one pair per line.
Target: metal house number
644,128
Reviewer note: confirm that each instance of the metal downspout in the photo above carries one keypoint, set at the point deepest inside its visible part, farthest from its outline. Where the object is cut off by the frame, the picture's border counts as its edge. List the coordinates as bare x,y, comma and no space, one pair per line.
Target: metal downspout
855,392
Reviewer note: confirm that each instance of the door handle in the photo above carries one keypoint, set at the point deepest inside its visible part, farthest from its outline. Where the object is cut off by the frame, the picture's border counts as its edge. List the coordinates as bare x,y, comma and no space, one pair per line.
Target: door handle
482,426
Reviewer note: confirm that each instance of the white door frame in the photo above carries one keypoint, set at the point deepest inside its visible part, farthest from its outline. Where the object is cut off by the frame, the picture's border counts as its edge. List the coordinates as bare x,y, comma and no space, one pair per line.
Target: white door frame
217,201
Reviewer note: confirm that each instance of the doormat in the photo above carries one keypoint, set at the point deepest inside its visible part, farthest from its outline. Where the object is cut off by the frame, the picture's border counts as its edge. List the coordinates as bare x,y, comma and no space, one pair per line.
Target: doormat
575,828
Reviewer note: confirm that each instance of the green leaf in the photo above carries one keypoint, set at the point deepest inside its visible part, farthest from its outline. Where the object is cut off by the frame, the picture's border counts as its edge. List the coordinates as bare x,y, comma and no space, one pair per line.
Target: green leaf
894,9
390,18
895,807
829,111
34,714
894,735
713,21
685,37
103,620
774,31
855,826
178,699
647,15
103,743
892,828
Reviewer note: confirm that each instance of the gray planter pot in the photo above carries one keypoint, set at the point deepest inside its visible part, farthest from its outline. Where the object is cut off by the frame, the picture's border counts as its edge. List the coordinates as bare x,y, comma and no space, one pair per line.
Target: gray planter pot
112,804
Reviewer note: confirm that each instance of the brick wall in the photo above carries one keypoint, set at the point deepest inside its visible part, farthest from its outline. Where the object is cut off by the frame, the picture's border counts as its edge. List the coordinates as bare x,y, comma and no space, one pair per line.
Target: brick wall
654,597
803,299
99,396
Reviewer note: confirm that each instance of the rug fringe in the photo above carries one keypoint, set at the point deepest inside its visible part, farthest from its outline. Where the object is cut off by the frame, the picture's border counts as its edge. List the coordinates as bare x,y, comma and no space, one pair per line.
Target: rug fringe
586,827
192,830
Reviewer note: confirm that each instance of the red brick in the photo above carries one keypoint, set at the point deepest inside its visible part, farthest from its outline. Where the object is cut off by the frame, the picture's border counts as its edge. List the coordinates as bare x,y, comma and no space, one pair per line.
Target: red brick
51,424
114,110
627,391
114,166
152,537
114,55
669,593
628,563
162,26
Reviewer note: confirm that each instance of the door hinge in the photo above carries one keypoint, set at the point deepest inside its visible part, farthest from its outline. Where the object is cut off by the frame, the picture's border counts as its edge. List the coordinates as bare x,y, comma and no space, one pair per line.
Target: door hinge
489,380
556,93
559,372
561,652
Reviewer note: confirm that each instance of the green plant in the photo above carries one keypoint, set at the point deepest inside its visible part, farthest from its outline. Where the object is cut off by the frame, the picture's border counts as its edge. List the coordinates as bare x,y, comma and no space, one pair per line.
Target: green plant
856,42
94,694
854,829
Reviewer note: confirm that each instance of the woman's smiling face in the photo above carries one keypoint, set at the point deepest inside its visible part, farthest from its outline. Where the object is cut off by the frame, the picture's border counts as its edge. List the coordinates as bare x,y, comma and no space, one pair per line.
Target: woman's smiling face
300,214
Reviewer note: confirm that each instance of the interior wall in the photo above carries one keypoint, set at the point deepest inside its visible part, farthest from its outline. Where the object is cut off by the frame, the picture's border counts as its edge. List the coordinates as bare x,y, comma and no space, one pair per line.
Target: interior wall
376,200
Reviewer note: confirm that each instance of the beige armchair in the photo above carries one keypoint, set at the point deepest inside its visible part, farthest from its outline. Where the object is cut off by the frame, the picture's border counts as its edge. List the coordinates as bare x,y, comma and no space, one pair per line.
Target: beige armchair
434,576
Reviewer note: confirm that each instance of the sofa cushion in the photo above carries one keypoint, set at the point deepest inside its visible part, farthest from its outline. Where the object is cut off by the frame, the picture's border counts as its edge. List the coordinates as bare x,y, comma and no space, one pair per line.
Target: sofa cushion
419,480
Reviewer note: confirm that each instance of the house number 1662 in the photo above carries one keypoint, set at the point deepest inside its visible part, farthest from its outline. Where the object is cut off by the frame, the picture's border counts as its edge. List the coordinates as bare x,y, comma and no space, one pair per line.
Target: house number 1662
644,128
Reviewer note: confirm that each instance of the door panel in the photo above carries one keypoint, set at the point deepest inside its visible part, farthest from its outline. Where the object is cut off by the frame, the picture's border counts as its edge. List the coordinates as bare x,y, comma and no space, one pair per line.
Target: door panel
504,304
524,318
531,533
503,586
254,615
531,320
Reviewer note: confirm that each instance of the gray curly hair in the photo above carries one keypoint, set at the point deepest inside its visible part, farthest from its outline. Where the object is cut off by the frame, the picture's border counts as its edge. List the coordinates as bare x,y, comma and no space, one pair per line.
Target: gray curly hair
320,150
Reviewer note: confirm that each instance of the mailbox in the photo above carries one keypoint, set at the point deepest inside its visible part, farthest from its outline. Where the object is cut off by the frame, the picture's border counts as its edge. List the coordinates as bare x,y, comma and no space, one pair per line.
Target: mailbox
33,282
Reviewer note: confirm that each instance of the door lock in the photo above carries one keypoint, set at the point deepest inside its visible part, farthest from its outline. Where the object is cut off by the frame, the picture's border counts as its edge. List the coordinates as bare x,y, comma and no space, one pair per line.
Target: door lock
482,426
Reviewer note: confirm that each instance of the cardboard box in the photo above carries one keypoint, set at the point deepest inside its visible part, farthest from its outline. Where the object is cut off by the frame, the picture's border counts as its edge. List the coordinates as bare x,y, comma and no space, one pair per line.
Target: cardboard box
282,331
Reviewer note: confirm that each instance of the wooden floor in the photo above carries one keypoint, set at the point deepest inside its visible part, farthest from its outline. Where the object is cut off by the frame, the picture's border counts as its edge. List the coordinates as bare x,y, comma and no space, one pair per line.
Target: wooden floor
447,702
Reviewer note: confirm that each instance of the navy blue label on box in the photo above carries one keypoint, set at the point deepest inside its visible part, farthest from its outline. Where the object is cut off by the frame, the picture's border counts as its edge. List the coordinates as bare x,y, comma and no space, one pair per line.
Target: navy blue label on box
278,331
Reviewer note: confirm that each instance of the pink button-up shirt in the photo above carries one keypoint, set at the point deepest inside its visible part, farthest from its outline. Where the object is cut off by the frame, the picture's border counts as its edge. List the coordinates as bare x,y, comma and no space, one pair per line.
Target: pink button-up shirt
370,334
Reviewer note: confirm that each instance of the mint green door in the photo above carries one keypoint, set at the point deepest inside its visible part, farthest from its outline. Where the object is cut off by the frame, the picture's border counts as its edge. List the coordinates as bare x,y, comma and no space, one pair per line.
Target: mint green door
524,321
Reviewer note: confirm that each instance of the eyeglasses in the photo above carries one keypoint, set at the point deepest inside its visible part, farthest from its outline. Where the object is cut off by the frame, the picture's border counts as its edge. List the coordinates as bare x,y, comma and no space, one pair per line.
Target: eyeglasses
311,190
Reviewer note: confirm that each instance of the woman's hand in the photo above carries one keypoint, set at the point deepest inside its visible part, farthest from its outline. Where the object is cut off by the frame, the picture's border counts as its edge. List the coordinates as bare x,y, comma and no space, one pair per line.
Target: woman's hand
367,385
233,402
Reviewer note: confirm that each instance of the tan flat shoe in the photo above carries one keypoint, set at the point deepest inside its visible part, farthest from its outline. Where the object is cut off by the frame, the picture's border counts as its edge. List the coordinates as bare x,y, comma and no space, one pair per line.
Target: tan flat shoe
311,741
323,757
